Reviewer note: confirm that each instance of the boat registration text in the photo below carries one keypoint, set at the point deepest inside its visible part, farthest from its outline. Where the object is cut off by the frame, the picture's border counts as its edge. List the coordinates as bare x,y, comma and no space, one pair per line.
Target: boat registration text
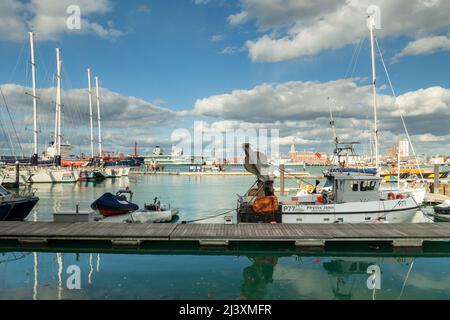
297,208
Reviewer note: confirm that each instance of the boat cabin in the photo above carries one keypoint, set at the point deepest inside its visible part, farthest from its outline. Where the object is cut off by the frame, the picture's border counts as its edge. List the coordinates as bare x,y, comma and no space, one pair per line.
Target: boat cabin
354,188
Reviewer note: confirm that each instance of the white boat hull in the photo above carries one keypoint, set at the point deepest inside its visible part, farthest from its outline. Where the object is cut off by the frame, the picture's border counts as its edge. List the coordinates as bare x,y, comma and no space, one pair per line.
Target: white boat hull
417,193
143,217
112,172
154,216
391,211
54,176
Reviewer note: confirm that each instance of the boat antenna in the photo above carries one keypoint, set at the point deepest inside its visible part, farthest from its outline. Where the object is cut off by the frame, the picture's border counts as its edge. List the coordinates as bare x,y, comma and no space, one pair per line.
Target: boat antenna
91,119
332,123
374,89
34,157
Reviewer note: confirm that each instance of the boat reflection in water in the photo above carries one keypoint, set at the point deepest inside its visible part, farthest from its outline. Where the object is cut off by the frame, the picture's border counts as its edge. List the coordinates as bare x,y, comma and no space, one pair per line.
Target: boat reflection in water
255,276
345,278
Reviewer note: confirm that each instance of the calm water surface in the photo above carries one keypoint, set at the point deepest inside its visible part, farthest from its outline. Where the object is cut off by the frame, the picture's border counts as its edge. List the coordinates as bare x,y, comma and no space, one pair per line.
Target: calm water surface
195,274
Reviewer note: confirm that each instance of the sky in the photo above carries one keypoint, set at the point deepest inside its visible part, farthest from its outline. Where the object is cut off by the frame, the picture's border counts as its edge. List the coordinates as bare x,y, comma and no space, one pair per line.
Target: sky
166,66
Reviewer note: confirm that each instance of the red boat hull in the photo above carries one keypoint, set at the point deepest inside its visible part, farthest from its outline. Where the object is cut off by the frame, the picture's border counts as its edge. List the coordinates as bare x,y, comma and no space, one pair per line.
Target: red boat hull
112,212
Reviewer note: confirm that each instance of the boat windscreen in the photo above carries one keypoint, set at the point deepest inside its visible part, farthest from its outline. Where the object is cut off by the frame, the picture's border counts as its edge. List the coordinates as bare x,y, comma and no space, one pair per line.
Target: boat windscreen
3,191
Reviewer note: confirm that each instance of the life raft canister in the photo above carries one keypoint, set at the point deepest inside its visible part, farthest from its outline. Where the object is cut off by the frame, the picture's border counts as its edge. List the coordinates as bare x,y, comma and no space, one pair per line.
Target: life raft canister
266,205
391,196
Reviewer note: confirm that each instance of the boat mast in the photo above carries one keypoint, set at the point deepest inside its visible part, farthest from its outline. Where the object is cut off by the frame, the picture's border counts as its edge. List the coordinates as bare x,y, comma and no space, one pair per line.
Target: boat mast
58,108
91,119
99,118
398,165
34,158
374,90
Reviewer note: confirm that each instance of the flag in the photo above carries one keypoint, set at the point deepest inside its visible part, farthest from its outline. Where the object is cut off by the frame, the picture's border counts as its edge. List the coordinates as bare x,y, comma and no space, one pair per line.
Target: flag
318,155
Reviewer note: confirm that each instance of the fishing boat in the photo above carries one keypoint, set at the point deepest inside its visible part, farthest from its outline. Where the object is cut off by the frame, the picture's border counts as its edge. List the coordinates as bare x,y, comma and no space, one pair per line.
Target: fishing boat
14,207
354,198
114,205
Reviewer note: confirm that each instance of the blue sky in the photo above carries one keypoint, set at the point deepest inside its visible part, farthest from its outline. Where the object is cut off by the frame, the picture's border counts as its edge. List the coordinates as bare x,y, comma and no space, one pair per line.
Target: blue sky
173,54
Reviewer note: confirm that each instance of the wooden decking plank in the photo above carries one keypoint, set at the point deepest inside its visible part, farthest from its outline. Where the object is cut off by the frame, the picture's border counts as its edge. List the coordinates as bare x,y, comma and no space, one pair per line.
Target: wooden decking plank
239,232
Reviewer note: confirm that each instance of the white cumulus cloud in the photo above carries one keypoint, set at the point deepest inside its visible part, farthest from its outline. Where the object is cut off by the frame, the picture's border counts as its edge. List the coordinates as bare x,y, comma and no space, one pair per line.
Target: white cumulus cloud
48,19
298,28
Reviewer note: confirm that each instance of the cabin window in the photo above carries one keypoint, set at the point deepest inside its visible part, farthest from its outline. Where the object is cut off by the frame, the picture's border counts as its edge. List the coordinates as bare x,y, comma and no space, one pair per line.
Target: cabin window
367,185
354,185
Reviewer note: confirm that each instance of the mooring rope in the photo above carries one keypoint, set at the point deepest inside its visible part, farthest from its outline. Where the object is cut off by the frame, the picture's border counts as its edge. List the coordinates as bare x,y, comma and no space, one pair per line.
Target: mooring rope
206,218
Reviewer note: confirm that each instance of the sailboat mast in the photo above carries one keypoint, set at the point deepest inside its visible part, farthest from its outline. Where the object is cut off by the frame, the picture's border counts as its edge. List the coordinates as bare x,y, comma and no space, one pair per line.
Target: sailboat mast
374,90
34,159
398,165
91,119
58,106
99,118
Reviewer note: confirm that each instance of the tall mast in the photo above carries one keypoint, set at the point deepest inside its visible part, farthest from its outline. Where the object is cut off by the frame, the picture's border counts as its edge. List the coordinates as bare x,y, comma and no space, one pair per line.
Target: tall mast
91,119
99,118
58,108
34,158
374,89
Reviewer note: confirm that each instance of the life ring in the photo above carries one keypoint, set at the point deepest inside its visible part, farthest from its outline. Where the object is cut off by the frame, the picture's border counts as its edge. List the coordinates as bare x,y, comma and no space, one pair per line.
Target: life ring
391,196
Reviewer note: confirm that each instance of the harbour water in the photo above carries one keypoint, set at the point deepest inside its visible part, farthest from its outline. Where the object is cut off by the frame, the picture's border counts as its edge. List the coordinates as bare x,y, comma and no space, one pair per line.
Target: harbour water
256,272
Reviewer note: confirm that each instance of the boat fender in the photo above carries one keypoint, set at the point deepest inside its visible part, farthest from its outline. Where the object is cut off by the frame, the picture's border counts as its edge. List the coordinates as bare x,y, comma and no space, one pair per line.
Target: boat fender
391,196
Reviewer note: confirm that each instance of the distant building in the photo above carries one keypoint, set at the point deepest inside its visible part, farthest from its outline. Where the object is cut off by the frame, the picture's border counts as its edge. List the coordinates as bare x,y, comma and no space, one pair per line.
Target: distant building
308,157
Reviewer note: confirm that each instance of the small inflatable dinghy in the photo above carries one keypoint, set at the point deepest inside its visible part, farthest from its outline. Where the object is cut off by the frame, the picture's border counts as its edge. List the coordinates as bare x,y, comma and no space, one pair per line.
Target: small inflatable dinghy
109,205
152,213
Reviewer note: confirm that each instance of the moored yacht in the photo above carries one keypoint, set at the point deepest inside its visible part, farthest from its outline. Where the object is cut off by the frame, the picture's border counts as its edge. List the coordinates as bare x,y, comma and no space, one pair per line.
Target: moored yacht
14,207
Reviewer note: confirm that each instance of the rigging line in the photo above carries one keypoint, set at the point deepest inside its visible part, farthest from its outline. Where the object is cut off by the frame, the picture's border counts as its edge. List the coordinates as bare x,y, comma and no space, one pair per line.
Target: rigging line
6,132
406,278
8,138
15,258
19,58
353,58
401,114
210,217
297,177
12,123
357,57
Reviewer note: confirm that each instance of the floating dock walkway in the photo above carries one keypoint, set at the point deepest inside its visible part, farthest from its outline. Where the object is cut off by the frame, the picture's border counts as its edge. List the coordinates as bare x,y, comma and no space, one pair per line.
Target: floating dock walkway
302,235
